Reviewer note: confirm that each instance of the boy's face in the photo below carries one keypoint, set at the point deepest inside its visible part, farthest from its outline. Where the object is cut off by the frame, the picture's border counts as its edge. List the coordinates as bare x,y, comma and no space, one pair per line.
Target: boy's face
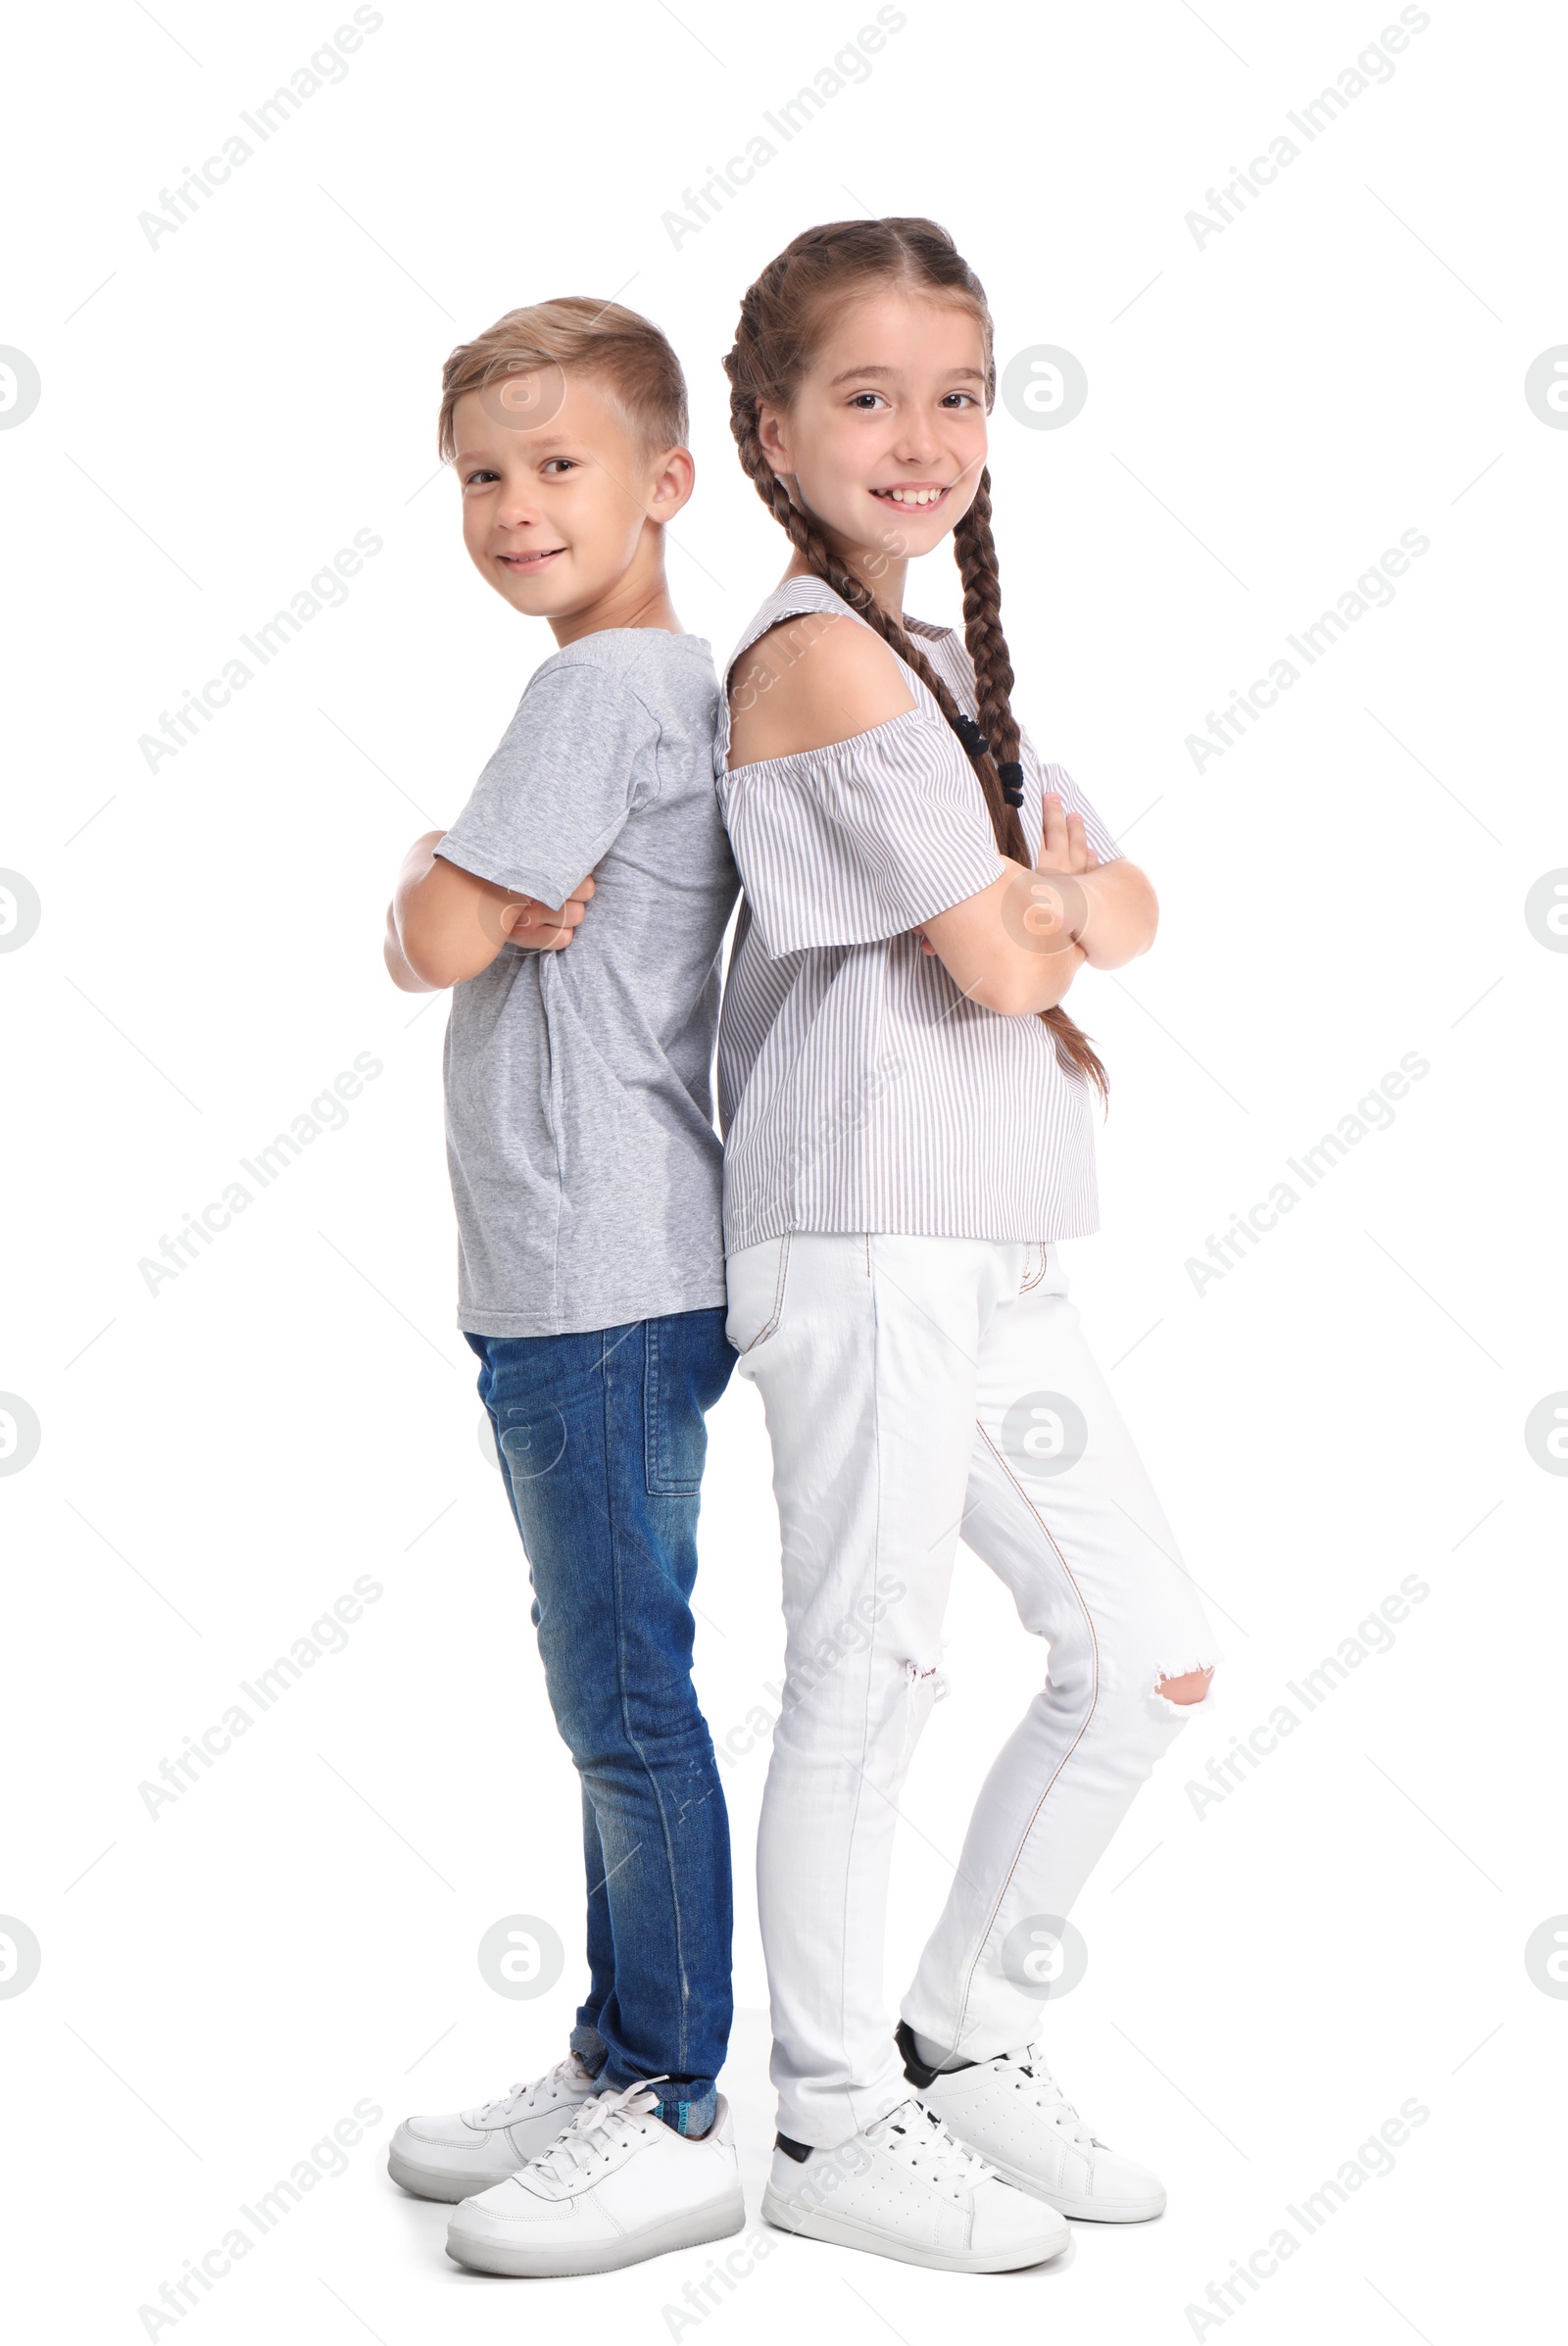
554,509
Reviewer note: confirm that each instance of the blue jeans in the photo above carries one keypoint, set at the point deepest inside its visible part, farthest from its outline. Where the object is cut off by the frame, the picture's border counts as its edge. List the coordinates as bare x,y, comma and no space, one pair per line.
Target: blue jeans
602,1440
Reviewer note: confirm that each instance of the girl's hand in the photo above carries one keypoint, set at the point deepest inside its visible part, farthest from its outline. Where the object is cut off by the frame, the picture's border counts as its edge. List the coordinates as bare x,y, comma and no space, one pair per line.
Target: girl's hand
1063,847
1063,844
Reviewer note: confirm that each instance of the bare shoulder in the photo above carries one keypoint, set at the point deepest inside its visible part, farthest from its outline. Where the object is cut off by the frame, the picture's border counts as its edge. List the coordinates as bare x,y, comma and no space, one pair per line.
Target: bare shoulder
810,681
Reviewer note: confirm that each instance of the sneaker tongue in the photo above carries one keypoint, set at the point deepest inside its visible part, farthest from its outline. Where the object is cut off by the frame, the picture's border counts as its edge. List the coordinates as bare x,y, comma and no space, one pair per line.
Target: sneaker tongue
485,2113
570,2072
556,2173
1031,2063
541,2182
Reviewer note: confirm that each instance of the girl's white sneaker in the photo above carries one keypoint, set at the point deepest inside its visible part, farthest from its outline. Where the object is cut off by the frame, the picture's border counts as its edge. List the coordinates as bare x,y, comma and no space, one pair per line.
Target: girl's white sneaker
448,2158
904,2187
618,2186
1013,2111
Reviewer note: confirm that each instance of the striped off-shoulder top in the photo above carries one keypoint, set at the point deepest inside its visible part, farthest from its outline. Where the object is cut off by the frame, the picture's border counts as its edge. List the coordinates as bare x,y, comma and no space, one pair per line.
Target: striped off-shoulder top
859,1088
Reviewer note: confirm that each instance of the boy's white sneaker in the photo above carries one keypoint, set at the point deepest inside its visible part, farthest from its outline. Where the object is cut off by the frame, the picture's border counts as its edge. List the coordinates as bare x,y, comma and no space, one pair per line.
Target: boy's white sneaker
618,2186
904,2187
1013,2111
448,2158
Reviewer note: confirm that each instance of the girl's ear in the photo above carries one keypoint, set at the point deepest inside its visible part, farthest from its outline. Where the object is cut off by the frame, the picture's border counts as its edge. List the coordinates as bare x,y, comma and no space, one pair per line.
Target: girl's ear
771,440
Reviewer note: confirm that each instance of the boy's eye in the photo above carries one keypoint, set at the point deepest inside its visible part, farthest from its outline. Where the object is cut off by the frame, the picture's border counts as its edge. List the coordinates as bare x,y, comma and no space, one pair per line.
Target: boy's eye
566,463
964,398
470,479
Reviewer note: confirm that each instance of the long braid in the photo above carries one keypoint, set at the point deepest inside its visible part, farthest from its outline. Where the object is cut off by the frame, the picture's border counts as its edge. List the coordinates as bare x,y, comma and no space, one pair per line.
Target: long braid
919,250
975,550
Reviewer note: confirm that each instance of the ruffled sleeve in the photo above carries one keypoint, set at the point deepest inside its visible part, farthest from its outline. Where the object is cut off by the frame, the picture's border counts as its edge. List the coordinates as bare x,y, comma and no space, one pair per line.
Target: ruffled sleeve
859,841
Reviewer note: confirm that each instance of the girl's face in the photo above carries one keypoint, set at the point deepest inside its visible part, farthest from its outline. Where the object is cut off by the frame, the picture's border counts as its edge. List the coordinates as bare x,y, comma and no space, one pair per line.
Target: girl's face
884,440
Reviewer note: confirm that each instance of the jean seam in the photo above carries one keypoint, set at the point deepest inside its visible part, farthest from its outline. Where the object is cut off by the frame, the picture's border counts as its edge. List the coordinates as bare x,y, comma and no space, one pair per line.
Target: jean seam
653,1475
1094,1699
651,1458
632,1744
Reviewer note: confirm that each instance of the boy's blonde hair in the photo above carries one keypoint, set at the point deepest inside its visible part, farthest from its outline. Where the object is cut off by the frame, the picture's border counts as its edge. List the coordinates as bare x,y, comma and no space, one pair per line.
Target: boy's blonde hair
627,353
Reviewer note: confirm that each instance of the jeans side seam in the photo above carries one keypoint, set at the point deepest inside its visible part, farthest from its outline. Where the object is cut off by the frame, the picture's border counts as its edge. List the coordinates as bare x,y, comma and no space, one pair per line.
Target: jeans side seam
1094,1698
632,1744
651,1458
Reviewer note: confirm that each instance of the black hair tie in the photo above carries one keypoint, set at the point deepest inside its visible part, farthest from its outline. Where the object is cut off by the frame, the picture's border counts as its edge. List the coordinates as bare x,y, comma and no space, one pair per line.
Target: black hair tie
969,733
1011,775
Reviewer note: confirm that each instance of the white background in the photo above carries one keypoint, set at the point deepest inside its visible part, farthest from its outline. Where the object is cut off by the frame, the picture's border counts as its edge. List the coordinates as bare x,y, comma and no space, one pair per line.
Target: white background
1269,1979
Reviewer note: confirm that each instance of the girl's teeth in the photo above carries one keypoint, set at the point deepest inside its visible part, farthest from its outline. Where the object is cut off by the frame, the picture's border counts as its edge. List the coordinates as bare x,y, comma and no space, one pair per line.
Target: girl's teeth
912,496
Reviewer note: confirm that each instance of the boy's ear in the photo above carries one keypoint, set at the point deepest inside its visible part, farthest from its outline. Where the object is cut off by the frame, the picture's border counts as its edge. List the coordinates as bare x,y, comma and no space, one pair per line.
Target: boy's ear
674,478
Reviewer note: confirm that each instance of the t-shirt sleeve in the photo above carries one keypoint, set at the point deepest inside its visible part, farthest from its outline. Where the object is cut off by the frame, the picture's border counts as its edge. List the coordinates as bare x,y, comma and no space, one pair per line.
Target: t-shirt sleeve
859,841
577,757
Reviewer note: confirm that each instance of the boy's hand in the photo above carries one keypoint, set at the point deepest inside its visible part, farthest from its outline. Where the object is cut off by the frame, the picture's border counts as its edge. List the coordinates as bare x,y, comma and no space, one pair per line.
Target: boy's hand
539,928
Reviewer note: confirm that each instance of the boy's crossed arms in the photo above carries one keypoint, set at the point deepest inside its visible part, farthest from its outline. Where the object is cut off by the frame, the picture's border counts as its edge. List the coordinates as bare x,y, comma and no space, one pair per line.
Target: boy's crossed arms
445,924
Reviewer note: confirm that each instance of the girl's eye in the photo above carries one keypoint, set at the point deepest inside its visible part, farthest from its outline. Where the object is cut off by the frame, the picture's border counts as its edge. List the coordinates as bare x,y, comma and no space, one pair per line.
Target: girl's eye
471,479
566,463
864,401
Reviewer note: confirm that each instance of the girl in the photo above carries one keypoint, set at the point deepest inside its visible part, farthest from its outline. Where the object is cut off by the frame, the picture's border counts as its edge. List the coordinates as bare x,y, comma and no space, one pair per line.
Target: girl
906,1117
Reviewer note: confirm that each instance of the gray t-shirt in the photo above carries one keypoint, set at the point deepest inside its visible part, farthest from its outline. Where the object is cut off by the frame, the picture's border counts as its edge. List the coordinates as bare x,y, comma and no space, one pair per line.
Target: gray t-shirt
585,1167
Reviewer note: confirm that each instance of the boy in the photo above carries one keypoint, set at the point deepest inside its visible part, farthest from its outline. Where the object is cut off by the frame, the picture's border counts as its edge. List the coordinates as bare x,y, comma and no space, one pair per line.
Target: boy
576,908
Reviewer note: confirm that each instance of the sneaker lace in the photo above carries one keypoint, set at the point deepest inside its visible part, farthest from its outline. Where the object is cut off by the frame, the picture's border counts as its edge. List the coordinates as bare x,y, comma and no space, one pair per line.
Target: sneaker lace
1048,2095
927,2142
600,2126
532,2095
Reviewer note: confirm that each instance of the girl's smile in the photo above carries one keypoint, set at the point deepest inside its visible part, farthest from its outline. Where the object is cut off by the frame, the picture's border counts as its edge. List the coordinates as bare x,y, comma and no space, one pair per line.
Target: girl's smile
915,493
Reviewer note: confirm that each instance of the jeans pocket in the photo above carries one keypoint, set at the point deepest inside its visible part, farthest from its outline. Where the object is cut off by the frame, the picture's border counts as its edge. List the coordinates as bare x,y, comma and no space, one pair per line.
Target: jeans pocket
674,1428
755,1279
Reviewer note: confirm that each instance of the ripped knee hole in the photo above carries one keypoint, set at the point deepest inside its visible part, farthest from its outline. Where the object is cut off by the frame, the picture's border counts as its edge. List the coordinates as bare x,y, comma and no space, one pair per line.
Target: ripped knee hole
1191,1687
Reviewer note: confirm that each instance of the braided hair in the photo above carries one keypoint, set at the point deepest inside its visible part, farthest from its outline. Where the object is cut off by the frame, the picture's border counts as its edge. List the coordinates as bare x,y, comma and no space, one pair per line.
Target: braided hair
774,341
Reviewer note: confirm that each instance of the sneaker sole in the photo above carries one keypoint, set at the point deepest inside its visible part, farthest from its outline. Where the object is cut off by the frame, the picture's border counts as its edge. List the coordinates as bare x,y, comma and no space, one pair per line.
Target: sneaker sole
718,2220
435,2182
843,2232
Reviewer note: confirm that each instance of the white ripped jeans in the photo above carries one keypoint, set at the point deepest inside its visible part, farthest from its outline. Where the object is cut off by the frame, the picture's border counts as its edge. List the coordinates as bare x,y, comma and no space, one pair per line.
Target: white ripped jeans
916,1387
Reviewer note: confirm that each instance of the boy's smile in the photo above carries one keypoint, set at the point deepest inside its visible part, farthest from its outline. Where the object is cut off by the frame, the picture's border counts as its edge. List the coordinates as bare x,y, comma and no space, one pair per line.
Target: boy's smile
522,561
